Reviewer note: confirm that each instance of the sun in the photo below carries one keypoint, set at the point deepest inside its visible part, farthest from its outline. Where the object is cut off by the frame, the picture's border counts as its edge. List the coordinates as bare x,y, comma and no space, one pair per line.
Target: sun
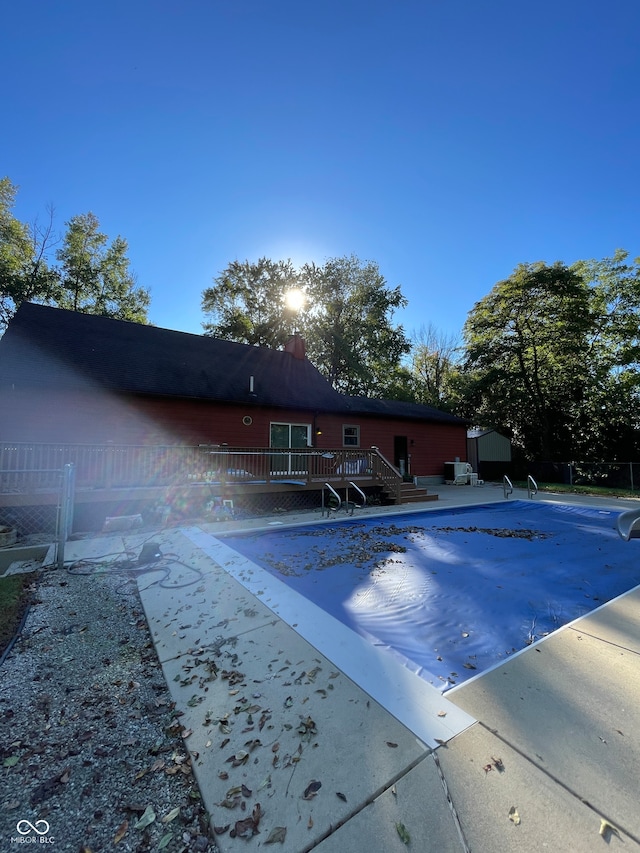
294,299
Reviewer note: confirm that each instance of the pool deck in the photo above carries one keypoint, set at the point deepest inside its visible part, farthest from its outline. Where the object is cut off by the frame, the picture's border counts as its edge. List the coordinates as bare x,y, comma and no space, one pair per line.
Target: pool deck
531,756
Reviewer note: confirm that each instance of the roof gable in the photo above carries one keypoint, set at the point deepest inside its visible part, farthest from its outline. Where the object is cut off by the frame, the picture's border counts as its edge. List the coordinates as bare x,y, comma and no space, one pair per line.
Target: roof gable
53,347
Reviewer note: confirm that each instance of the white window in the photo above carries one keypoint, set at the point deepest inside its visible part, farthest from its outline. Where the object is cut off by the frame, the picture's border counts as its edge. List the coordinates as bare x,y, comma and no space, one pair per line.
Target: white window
350,435
286,436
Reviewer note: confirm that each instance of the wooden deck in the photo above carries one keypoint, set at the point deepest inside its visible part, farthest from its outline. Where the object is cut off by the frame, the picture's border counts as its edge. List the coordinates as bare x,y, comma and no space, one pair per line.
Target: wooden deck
30,473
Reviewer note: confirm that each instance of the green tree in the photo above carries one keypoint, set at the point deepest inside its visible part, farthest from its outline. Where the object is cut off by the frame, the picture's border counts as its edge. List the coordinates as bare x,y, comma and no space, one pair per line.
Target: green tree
248,303
95,277
615,293
345,318
434,365
609,427
25,273
526,365
349,330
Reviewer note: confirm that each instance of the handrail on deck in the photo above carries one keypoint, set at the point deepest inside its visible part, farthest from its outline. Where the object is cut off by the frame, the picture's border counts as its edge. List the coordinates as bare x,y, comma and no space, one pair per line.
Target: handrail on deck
532,487
507,485
119,466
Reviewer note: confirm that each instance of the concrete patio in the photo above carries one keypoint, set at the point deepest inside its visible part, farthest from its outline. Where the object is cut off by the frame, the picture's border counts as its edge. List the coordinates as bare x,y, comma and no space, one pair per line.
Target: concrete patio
301,731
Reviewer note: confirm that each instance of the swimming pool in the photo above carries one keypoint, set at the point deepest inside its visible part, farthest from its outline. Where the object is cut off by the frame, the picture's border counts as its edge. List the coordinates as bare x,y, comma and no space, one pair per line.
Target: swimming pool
450,593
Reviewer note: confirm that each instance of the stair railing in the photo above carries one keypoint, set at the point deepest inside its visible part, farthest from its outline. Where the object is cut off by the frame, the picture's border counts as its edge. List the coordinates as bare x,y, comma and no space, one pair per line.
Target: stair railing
387,473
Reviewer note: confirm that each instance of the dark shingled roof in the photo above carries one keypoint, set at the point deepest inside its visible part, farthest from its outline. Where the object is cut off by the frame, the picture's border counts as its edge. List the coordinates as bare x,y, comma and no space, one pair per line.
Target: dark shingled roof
46,347
52,347
399,409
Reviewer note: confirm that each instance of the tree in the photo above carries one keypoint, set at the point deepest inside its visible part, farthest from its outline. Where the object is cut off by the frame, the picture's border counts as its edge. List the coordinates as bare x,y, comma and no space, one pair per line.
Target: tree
350,335
526,358
345,318
94,275
434,365
24,269
248,303
615,293
609,424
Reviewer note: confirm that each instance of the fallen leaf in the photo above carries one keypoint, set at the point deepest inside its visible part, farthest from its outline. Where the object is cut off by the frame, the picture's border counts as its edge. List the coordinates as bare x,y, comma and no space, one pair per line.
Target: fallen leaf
311,790
341,796
164,841
391,744
442,713
606,828
277,834
401,829
147,818
11,761
249,826
310,823
514,816
122,831
172,815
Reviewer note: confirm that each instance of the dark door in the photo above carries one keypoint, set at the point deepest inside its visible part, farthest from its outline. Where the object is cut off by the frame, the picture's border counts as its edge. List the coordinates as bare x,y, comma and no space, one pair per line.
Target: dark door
400,453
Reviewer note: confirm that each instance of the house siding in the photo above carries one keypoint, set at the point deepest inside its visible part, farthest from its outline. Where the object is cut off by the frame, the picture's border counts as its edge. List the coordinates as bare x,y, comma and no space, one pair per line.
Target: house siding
98,417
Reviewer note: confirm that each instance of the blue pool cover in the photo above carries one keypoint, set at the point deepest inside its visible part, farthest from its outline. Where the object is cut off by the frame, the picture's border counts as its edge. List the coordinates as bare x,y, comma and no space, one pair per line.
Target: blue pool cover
453,592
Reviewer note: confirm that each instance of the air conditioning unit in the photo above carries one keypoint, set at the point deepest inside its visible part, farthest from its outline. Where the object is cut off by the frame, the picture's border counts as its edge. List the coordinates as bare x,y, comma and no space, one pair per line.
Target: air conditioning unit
453,470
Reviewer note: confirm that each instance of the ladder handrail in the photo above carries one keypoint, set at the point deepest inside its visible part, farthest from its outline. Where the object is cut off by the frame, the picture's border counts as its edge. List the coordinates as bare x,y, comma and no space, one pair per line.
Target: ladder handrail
359,490
532,487
336,495
507,485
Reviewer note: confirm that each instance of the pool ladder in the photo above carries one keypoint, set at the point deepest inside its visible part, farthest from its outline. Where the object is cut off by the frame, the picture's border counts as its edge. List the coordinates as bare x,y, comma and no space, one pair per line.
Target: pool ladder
532,486
335,502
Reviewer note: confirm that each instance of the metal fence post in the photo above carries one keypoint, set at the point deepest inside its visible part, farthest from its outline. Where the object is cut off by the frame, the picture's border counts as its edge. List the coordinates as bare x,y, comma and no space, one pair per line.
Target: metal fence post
65,519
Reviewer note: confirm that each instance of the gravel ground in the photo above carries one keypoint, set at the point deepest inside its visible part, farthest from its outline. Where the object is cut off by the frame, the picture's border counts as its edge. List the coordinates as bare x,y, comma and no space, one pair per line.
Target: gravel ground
89,741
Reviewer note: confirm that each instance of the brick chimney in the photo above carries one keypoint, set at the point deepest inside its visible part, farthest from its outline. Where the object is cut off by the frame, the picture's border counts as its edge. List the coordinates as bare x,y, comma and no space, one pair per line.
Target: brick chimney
296,346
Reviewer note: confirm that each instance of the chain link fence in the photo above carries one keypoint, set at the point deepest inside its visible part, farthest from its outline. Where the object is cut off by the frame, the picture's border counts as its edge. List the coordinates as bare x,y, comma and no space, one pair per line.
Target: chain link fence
36,506
612,475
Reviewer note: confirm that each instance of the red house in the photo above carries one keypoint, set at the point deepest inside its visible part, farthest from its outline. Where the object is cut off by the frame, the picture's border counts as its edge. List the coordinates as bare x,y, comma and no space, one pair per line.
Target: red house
71,379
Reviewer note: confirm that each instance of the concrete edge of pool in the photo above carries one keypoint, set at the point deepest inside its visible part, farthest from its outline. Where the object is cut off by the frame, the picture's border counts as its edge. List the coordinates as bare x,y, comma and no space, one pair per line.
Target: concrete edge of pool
417,704
554,749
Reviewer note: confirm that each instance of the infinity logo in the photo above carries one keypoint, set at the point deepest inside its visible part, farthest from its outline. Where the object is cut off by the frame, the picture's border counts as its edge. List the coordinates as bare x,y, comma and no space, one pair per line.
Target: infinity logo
30,827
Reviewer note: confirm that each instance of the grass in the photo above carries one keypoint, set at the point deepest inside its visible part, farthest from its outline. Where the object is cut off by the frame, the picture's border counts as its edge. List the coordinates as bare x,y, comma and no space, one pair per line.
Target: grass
15,595
594,491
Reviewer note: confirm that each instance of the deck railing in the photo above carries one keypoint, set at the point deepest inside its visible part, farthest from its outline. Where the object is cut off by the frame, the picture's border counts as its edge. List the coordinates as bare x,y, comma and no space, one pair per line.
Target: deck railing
112,466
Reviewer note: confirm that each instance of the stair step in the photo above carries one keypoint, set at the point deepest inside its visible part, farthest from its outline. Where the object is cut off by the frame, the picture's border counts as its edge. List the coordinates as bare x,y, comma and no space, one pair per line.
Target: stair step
417,498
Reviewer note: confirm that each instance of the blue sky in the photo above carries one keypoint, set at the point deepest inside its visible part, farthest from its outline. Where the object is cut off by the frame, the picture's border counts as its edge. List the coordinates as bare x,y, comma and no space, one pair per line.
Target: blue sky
448,142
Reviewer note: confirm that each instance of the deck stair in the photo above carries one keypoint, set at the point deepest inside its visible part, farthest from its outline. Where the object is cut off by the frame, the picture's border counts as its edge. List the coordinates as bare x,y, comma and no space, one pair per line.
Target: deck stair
410,493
